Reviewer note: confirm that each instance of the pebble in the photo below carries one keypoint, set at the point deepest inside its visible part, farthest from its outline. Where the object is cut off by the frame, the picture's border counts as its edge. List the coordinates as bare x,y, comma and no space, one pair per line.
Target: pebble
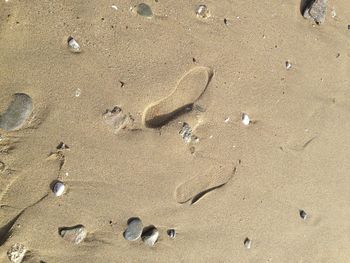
316,11
171,233
73,45
202,11
303,214
75,234
150,235
288,65
58,188
247,243
62,146
245,119
16,253
17,112
134,229
144,10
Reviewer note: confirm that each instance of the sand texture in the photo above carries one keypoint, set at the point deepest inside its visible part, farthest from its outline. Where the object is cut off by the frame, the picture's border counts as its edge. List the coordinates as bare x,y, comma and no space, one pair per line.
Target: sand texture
101,124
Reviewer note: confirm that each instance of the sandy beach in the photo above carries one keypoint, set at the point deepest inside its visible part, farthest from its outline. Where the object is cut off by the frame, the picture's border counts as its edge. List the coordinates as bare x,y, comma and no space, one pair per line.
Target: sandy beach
166,132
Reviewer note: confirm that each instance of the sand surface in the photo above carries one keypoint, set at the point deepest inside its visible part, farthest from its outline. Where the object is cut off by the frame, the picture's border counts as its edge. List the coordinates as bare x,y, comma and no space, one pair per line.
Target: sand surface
293,156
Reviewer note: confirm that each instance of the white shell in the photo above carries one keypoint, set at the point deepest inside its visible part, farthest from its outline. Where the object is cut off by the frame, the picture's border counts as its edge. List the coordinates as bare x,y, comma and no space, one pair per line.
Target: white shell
73,45
202,11
171,233
247,243
58,189
288,65
151,238
245,119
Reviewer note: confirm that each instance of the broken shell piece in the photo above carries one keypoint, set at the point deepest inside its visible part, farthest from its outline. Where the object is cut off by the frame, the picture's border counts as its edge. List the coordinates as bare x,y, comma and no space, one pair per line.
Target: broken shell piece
245,119
247,243
117,119
186,133
171,233
150,235
143,10
288,65
315,10
73,45
75,234
303,214
16,253
202,11
58,188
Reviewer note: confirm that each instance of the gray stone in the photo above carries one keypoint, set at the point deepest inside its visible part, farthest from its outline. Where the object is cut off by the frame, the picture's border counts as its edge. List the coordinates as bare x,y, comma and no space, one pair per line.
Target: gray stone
316,10
134,229
150,235
17,112
75,234
144,10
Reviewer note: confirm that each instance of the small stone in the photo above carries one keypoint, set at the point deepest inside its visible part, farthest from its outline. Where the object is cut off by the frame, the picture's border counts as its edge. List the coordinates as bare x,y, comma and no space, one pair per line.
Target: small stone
186,132
58,188
288,65
16,253
134,229
316,10
75,234
245,119
171,233
150,235
202,11
247,243
227,120
73,45
143,10
117,119
17,112
303,214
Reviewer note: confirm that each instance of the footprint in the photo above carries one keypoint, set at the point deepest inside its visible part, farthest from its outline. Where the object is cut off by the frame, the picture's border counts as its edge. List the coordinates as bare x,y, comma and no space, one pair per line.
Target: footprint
17,112
196,187
190,87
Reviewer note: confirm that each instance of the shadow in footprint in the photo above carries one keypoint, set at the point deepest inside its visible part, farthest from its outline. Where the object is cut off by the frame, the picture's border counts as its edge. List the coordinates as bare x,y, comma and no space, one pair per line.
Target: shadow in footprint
188,90
6,230
197,187
304,5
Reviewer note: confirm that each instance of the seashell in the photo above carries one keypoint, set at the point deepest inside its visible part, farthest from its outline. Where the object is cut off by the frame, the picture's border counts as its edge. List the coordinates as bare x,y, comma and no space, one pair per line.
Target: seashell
171,233
150,235
288,65
58,188
245,119
134,229
247,243
186,132
303,214
75,234
73,45
202,11
16,253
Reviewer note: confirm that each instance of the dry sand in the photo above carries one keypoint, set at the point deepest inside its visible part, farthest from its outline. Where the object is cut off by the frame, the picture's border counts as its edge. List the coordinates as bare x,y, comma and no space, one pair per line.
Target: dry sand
294,154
